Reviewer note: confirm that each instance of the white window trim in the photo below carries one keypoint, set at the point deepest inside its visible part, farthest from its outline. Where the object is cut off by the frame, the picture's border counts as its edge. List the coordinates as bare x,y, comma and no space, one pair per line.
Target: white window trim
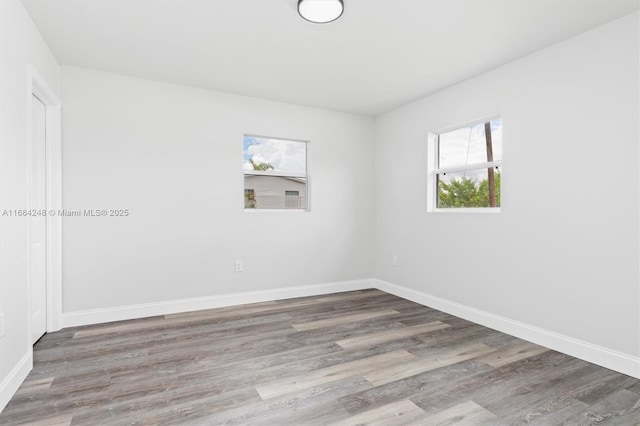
273,173
469,167
482,210
258,211
433,171
306,176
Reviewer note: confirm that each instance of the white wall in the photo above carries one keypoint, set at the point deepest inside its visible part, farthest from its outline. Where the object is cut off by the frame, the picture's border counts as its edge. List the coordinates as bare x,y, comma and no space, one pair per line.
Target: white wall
563,253
20,44
173,156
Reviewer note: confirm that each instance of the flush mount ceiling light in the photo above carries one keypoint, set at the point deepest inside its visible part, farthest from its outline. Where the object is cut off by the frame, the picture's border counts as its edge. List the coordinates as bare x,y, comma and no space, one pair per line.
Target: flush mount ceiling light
320,11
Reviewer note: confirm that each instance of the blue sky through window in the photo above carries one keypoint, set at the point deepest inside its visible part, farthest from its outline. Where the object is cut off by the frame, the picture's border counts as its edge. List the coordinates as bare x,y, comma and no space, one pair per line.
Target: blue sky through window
467,145
284,155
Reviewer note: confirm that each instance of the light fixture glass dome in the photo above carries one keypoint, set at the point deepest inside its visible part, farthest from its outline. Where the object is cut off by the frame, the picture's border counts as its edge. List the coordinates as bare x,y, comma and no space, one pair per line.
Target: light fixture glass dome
320,11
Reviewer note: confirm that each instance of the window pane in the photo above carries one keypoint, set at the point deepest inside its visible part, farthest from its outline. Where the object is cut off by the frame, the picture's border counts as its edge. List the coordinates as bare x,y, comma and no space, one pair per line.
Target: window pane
275,192
278,155
468,145
468,189
292,199
249,198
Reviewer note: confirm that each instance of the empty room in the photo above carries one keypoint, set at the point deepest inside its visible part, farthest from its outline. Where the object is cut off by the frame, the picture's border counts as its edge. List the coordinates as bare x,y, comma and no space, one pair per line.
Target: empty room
319,212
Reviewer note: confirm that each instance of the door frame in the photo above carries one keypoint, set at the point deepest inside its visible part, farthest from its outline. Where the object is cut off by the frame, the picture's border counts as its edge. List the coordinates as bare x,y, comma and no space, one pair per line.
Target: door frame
36,85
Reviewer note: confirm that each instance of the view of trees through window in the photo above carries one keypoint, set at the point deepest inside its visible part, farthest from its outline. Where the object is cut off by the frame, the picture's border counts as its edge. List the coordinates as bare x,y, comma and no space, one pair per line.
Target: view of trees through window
469,160
467,192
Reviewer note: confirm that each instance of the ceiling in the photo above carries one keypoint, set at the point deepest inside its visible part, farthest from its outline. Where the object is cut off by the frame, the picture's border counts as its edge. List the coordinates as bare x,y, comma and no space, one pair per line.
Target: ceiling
379,55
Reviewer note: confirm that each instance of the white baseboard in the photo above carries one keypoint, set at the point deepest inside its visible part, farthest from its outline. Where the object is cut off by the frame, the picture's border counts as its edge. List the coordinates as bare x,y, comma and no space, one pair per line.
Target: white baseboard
12,382
614,360
96,316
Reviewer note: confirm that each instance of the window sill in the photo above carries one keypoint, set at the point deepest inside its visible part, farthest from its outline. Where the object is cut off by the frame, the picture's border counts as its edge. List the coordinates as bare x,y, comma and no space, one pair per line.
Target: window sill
277,210
467,210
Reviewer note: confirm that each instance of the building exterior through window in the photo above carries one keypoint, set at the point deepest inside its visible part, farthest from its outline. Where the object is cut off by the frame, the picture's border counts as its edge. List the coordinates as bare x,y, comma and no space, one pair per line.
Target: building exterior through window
275,173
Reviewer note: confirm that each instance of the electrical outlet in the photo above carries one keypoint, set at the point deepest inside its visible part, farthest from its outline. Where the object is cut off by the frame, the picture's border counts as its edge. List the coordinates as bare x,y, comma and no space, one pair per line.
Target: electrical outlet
239,266
1,326
394,260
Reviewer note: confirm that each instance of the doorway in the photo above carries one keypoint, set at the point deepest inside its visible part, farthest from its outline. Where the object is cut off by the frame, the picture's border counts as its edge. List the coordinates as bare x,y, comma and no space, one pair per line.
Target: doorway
44,206
37,221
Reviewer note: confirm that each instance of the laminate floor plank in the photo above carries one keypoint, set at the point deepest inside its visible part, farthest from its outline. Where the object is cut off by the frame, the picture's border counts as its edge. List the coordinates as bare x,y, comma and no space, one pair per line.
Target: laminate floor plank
361,357
511,354
347,331
186,402
335,372
420,365
414,385
257,374
333,321
416,315
569,414
535,388
401,412
544,402
372,339
62,420
211,323
634,387
591,393
35,385
456,335
311,313
495,385
211,367
278,411
467,413
621,408
164,340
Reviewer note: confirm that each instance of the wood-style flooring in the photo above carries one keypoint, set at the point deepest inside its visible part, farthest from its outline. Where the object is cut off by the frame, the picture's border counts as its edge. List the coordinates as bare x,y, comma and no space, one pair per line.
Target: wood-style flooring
363,357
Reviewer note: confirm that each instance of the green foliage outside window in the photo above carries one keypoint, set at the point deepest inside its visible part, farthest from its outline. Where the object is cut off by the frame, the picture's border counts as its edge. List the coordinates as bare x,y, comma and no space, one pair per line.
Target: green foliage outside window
260,166
466,192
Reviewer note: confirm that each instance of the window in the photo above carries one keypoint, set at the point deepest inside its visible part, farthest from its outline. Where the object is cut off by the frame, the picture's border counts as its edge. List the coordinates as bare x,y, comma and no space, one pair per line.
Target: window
275,173
292,199
465,167
249,198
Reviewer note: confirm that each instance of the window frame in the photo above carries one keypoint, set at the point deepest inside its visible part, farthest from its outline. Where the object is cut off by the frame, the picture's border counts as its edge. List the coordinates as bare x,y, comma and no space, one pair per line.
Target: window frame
433,146
304,176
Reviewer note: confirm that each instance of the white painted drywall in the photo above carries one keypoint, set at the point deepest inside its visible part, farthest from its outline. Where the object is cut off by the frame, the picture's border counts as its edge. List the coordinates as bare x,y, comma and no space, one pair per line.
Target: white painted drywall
563,253
173,156
20,44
